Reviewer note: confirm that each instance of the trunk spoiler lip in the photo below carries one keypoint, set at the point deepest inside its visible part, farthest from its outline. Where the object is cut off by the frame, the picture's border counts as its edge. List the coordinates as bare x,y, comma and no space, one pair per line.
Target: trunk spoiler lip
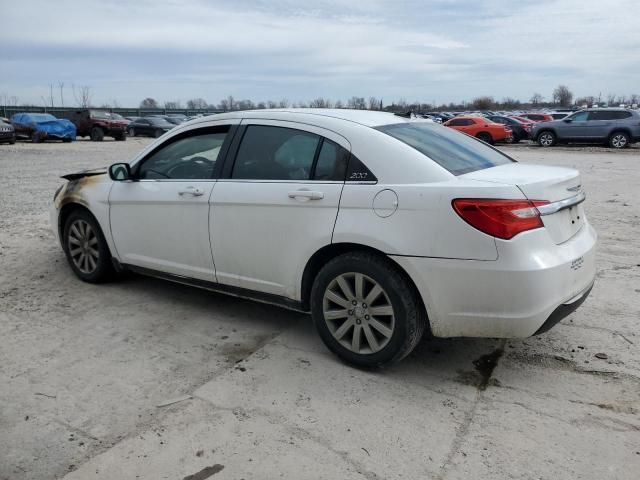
555,207
85,173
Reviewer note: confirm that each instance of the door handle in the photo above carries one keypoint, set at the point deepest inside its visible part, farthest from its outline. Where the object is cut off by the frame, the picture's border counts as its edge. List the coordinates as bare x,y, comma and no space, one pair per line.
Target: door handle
308,194
194,191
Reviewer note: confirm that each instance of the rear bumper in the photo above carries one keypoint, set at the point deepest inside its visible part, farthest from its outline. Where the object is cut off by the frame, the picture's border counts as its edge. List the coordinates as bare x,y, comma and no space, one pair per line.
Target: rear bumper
534,281
563,311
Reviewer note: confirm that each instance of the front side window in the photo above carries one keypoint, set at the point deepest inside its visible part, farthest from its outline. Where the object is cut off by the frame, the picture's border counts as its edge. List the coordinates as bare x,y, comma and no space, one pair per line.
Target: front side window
193,157
579,117
457,153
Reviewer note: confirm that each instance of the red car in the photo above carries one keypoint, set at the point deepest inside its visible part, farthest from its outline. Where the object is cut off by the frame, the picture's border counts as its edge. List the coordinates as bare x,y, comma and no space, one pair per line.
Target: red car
537,117
482,128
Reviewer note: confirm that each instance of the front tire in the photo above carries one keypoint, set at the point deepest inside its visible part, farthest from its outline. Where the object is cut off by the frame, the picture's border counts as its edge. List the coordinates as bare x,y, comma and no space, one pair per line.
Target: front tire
86,248
547,139
366,311
619,140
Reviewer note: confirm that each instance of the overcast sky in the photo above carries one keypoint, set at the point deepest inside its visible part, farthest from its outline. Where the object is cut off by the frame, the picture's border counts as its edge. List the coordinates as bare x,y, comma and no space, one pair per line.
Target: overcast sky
438,50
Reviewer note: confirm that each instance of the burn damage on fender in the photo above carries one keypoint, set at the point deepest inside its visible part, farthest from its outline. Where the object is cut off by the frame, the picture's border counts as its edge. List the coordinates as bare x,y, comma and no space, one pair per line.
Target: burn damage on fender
72,191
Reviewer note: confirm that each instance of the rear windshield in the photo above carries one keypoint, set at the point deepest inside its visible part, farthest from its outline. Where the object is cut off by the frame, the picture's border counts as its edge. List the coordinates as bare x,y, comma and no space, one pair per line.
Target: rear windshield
452,150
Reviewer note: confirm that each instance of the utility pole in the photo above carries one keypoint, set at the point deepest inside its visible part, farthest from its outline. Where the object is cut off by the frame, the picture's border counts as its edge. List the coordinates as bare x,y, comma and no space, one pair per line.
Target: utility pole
61,86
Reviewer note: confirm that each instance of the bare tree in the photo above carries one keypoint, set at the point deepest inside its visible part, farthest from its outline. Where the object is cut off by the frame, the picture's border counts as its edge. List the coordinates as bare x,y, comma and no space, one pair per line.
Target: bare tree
283,103
357,103
374,103
173,105
61,87
197,104
82,95
320,103
48,101
536,98
483,103
231,102
271,104
261,106
338,104
562,96
149,103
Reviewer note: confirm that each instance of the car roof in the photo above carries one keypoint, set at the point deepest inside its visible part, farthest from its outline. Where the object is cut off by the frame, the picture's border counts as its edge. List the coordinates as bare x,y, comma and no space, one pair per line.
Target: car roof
311,115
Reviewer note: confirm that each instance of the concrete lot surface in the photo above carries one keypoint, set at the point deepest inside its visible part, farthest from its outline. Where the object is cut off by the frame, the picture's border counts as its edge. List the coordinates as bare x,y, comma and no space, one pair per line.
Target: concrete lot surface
84,368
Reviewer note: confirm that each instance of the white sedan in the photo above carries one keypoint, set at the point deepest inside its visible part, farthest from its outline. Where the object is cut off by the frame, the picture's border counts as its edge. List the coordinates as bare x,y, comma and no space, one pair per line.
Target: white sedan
383,227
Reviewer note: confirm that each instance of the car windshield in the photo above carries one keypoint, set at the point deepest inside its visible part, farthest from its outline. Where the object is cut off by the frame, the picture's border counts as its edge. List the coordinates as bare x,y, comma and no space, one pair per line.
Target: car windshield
100,114
41,117
452,150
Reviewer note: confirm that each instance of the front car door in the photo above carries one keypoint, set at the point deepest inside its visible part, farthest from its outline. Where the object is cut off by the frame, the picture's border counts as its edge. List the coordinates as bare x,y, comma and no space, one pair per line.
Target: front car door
160,220
276,204
574,127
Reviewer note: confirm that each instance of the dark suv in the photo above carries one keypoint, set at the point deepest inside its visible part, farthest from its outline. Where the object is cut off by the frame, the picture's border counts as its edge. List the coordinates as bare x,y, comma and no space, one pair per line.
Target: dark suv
97,124
617,127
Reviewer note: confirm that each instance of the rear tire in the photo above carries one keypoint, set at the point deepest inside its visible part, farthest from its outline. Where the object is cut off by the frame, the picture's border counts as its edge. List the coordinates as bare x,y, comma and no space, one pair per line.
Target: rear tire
97,135
36,137
547,139
387,319
485,137
86,248
619,140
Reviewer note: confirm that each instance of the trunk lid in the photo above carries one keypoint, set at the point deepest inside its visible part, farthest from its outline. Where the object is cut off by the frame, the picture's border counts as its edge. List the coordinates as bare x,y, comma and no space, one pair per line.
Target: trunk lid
539,182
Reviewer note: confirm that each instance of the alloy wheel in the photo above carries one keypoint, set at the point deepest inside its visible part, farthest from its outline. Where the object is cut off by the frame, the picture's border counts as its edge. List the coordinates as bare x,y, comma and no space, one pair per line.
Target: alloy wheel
82,243
619,141
358,313
546,139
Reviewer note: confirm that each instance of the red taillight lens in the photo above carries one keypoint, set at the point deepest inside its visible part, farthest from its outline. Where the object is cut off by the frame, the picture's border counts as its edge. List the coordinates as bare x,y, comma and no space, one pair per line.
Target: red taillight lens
500,218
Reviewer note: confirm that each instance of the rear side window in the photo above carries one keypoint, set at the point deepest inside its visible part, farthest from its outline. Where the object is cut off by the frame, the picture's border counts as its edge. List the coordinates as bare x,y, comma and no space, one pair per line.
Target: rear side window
454,151
278,153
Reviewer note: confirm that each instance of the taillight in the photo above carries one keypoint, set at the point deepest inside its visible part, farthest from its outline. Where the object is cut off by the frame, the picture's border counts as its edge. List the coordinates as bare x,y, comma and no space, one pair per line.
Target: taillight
500,218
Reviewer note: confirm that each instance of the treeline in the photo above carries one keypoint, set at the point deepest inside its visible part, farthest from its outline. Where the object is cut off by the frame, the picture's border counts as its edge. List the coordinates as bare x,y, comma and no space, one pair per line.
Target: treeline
561,96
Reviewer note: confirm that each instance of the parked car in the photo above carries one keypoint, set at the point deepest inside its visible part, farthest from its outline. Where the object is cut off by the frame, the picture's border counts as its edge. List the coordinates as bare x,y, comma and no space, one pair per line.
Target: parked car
171,119
7,133
308,212
39,127
97,124
481,128
520,130
617,127
132,119
537,117
150,127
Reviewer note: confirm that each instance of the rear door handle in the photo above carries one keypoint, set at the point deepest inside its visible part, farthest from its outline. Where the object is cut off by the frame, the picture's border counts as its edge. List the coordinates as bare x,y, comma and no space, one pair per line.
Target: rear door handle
308,194
194,191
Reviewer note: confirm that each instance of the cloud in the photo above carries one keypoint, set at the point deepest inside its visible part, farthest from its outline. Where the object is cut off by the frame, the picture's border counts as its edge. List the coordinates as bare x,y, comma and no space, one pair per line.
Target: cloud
441,50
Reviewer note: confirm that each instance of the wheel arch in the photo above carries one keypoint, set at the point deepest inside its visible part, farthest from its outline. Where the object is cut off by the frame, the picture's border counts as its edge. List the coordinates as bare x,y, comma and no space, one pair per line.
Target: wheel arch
328,252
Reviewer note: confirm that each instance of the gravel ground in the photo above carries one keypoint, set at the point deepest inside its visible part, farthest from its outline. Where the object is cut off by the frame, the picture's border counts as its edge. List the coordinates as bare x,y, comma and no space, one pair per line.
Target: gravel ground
83,368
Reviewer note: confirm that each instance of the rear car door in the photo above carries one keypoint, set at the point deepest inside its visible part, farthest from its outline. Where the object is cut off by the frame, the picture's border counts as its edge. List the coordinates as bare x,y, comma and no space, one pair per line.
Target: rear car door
600,123
276,204
160,220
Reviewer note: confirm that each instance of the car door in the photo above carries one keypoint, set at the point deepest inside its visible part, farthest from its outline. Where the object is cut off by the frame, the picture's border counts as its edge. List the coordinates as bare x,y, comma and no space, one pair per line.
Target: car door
276,204
160,219
575,127
600,123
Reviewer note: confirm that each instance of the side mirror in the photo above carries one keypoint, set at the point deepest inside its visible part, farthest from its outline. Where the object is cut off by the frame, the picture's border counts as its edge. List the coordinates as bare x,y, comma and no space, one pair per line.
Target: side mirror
567,120
119,172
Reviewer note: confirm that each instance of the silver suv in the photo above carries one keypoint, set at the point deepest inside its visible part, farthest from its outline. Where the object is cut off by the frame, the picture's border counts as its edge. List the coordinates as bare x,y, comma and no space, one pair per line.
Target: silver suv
618,127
